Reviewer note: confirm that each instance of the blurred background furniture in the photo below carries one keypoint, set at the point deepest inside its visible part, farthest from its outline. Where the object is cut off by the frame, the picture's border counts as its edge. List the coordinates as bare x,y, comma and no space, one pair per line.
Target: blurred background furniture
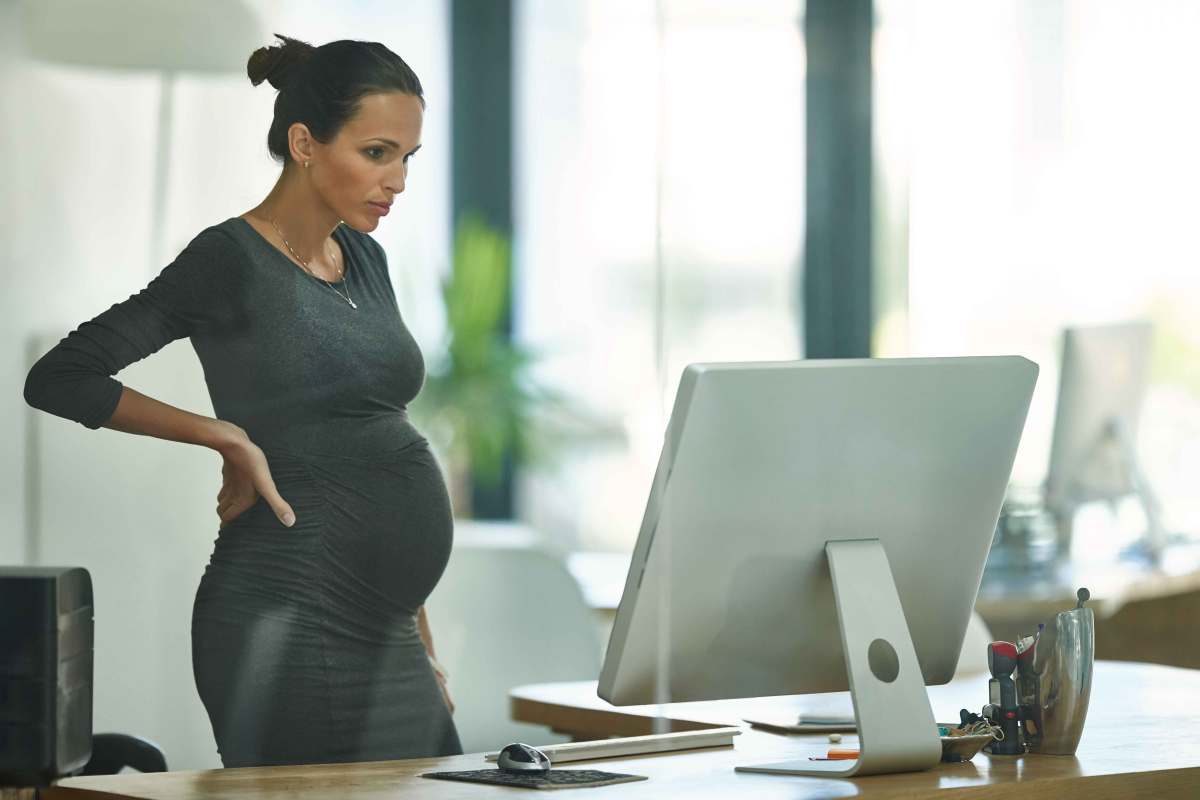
1143,612
506,609
1159,629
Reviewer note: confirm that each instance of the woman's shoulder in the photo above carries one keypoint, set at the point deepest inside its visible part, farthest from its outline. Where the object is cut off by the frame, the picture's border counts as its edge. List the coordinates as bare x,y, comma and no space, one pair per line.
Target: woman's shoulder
229,234
219,241
212,257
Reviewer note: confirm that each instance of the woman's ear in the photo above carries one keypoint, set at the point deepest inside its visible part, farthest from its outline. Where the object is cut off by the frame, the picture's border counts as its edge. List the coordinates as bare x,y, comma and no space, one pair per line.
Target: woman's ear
300,143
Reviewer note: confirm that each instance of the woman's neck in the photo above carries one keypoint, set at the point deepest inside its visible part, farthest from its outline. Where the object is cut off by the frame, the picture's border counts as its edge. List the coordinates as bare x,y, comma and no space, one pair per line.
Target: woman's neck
302,218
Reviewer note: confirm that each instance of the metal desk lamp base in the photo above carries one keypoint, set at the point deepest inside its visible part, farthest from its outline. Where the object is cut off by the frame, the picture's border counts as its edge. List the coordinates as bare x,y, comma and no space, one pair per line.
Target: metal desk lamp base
896,730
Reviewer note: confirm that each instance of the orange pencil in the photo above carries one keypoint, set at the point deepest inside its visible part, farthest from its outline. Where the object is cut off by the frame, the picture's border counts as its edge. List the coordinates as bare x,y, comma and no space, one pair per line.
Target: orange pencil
836,754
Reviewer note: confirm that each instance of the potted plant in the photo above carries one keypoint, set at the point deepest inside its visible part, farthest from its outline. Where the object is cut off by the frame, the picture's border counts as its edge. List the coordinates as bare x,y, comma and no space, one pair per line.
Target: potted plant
480,399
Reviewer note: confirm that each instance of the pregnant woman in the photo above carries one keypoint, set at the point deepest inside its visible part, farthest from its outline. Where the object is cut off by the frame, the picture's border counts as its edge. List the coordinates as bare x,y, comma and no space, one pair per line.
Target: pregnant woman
309,638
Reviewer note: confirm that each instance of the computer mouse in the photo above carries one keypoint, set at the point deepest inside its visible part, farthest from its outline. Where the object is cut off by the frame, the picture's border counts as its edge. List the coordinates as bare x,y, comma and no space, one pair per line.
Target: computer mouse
518,757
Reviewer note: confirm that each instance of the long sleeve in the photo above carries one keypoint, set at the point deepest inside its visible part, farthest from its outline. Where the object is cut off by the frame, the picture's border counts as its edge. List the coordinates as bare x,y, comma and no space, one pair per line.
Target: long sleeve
74,378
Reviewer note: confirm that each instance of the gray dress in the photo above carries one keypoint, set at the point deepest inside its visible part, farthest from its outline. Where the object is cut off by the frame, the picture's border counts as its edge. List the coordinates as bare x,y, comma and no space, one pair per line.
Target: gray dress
304,641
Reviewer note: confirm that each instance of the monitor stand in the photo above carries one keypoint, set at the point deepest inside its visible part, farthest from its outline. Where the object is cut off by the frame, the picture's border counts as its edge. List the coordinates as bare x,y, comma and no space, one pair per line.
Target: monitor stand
896,731
1150,546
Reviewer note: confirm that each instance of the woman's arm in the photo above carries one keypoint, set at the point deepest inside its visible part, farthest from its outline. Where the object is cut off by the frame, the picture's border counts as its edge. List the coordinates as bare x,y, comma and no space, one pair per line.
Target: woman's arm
423,630
145,416
438,669
74,379
246,473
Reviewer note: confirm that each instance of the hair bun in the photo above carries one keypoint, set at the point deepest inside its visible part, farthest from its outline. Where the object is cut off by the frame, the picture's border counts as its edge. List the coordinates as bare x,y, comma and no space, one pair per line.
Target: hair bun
277,62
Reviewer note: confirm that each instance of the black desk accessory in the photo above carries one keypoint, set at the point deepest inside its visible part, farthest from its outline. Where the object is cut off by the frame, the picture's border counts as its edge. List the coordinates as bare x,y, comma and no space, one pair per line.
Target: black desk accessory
46,645
554,779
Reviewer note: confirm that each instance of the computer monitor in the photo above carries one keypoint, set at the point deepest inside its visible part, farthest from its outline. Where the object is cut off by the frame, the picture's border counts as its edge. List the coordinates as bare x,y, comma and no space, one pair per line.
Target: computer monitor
815,526
1093,454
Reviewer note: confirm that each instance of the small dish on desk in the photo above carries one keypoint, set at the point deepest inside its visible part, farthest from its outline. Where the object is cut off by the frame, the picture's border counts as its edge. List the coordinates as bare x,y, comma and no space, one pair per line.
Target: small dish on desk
962,747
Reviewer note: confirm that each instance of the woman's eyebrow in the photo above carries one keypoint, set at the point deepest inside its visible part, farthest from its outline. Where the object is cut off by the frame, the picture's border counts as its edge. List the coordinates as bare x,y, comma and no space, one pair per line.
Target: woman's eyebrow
392,144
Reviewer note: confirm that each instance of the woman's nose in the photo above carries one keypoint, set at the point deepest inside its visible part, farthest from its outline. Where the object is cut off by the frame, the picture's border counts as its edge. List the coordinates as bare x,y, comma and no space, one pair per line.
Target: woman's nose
396,184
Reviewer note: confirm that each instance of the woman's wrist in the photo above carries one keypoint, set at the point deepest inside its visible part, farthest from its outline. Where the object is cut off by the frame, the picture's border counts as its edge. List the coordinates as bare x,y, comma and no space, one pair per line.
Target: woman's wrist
438,669
220,435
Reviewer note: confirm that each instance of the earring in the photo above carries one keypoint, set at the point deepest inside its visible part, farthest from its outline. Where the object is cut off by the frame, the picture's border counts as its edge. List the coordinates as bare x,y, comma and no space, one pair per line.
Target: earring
306,165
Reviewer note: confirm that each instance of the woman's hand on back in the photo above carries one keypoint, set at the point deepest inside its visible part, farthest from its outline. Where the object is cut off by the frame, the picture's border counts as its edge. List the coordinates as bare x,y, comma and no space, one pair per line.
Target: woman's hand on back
245,477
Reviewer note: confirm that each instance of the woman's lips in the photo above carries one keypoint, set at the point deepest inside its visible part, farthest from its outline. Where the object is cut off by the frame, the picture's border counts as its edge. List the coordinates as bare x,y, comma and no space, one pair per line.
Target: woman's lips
381,208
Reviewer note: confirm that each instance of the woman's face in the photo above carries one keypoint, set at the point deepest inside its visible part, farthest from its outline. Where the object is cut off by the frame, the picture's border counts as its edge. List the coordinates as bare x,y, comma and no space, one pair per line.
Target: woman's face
365,166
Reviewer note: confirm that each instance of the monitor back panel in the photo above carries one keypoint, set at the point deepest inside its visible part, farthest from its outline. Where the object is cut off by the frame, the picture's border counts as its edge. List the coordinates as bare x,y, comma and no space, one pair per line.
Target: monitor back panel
729,594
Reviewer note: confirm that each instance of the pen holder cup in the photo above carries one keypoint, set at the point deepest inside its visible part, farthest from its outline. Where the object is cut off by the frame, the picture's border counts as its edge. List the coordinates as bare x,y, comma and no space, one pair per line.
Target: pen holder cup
1064,683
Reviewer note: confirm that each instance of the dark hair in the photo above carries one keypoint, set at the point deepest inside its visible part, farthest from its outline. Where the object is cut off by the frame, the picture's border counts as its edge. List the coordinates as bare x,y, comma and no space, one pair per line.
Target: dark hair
322,86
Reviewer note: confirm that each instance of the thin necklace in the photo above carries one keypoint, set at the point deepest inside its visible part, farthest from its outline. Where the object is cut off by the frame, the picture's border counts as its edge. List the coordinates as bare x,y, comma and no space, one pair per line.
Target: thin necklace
303,263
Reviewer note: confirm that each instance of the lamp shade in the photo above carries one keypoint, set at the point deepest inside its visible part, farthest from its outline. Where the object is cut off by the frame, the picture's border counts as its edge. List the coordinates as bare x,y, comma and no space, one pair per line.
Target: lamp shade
171,35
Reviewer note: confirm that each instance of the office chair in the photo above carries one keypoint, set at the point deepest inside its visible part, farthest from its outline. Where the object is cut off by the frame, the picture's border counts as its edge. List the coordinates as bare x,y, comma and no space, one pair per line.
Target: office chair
496,576
112,752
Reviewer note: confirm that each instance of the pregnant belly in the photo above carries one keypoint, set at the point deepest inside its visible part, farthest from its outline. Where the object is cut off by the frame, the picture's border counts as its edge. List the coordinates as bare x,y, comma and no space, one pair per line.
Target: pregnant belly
371,539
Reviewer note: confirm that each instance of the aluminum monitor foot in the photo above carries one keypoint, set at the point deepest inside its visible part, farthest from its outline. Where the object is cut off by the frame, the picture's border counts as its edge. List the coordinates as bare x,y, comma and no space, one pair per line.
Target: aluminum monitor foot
895,722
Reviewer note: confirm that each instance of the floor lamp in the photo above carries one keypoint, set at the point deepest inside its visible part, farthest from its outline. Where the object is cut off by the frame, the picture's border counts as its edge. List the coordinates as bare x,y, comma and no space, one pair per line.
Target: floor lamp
167,37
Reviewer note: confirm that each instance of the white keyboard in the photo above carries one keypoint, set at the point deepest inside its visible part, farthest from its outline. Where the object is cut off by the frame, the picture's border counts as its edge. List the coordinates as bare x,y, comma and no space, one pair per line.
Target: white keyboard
636,745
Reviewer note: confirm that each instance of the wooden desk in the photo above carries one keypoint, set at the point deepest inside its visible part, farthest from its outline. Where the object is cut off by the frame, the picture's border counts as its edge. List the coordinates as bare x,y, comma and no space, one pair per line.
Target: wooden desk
1139,738
1140,742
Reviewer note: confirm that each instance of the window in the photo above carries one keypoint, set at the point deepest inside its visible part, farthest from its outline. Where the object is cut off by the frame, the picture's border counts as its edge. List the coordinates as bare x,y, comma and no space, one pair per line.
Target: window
1048,154
660,172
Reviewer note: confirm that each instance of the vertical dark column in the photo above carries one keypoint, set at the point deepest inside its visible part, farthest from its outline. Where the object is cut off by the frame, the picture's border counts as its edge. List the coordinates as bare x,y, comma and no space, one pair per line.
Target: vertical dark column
481,154
837,246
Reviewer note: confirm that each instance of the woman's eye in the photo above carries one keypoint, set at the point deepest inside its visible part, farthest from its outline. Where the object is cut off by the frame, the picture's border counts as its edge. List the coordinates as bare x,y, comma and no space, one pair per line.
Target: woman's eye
371,151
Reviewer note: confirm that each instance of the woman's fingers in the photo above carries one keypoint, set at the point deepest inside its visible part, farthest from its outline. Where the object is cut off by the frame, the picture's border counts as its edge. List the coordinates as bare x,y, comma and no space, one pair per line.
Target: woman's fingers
266,488
230,509
246,471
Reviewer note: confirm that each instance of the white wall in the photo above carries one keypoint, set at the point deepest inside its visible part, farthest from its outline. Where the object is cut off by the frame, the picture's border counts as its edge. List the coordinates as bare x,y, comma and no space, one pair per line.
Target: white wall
77,154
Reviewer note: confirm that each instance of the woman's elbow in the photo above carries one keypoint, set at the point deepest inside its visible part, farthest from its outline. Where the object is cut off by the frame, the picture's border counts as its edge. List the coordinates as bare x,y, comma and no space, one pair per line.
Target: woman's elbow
35,385
63,388
50,384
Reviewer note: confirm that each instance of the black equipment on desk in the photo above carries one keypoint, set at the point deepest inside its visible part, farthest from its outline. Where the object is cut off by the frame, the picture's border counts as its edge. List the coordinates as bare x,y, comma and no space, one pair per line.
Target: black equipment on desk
1002,709
46,646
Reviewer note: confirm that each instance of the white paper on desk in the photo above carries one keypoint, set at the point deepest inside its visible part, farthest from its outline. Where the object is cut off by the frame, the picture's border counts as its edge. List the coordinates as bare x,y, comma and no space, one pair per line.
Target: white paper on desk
825,714
790,724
